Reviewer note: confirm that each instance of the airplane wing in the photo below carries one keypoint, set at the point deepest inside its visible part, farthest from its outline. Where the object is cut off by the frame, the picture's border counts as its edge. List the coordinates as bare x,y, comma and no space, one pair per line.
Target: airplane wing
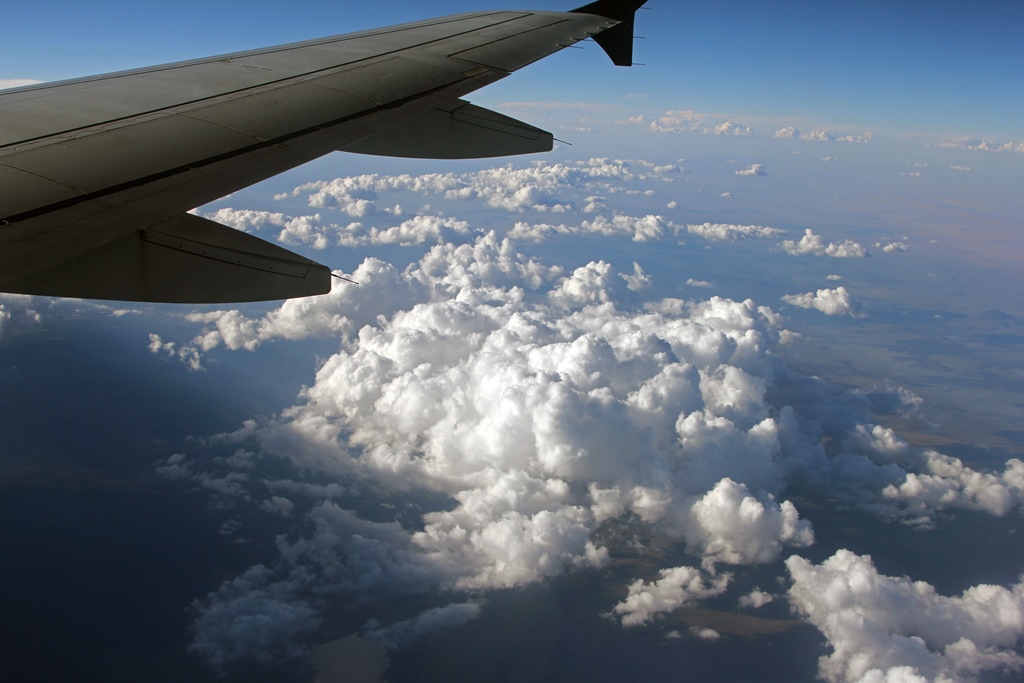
98,174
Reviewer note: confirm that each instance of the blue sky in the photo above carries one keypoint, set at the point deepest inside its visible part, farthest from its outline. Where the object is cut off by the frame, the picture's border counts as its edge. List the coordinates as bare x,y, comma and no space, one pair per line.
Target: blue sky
910,67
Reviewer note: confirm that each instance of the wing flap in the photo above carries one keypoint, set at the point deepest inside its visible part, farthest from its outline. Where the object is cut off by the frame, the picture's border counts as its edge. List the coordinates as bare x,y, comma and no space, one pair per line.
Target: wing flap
23,191
465,132
188,259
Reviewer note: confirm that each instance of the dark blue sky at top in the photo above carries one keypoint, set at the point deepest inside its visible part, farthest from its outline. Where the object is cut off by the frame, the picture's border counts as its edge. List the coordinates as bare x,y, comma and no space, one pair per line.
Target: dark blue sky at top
949,68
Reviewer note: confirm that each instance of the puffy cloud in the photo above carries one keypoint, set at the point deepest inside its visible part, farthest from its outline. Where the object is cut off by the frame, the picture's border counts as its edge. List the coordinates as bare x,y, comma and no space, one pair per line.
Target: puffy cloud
538,187
881,442
440,618
730,525
858,139
306,230
819,135
676,587
678,122
909,399
594,204
979,145
510,407
529,387
311,231
248,220
535,420
733,128
594,283
753,170
416,230
317,233
945,481
705,633
756,599
725,231
687,121
639,229
226,488
639,280
883,628
278,505
642,229
16,310
812,243
829,301
187,353
252,617
442,272
891,247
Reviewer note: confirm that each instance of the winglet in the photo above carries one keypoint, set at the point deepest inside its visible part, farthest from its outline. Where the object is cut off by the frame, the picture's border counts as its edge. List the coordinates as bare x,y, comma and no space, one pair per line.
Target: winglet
618,40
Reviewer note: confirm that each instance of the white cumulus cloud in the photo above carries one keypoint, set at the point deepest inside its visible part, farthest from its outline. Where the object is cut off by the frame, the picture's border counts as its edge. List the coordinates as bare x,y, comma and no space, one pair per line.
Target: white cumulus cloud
813,244
944,481
733,128
753,170
819,135
883,628
756,599
675,588
540,186
980,145
829,301
17,310
726,231
536,419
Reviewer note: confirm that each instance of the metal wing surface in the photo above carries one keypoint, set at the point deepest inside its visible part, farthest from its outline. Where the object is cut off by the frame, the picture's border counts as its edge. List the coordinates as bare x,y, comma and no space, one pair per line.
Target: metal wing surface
98,174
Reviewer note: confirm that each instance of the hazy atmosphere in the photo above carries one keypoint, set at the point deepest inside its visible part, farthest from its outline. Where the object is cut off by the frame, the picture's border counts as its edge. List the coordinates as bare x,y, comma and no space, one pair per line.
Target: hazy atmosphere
726,387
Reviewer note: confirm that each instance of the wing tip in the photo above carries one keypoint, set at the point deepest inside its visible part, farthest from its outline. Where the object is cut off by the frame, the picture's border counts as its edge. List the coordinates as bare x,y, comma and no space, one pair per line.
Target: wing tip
619,10
616,41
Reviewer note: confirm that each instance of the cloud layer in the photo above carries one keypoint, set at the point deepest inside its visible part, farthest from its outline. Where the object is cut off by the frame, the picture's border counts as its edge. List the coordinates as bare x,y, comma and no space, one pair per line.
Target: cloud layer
516,415
542,419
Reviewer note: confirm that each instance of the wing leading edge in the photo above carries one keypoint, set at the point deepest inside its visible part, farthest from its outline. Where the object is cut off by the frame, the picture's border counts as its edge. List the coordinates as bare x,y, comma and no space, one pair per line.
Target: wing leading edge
97,175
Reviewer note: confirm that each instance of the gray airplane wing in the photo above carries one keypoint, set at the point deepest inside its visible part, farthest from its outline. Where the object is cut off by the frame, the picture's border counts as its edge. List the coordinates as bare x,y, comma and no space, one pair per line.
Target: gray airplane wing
98,175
